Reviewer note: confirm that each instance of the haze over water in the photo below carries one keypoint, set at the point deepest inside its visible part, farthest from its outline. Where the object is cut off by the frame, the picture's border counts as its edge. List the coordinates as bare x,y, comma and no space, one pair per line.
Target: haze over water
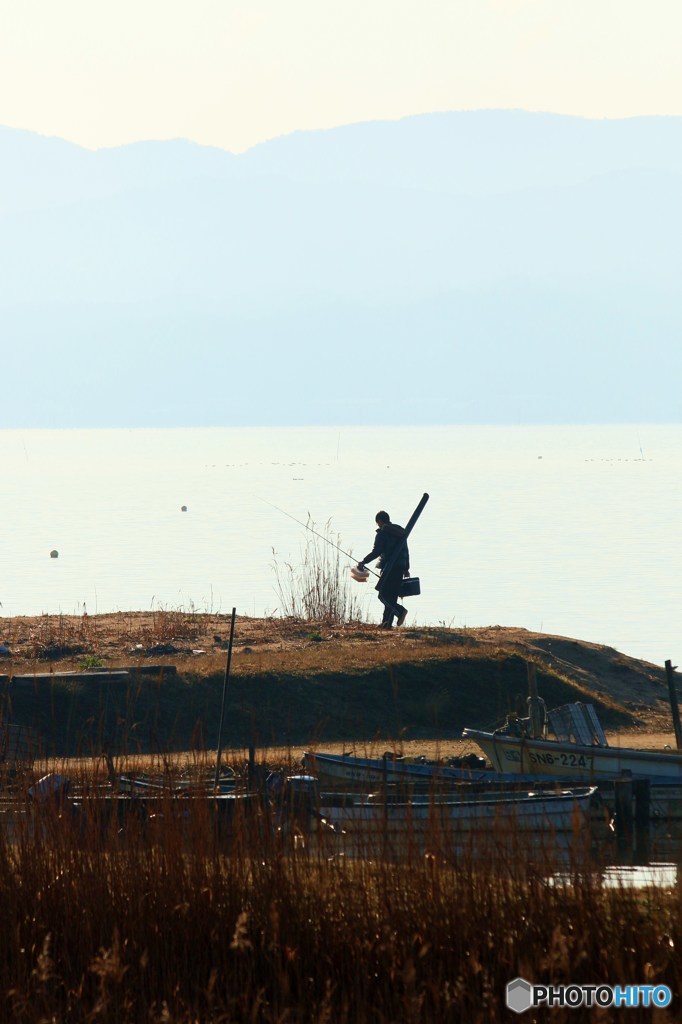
568,530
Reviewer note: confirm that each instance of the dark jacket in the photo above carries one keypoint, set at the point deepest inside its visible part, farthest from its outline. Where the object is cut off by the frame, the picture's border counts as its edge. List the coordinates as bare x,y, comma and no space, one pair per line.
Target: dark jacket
388,538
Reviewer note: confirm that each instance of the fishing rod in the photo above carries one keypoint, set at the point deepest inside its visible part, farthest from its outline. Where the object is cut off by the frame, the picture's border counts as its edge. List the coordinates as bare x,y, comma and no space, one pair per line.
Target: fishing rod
306,526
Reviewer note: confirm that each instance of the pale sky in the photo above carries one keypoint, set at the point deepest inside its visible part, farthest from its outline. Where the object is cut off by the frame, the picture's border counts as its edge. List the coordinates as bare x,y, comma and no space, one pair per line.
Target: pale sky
231,73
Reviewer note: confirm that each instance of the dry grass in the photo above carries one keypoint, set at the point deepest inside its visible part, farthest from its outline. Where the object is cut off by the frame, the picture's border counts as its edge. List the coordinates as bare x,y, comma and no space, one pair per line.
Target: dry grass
196,642
289,758
66,638
168,917
295,681
318,589
172,920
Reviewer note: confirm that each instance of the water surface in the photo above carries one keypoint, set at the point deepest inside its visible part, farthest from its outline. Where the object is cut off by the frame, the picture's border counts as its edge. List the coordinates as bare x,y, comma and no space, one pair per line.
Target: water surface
569,530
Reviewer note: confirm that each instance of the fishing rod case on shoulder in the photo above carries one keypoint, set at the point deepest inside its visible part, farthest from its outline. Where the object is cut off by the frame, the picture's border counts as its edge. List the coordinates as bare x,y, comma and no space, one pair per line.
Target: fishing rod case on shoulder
410,587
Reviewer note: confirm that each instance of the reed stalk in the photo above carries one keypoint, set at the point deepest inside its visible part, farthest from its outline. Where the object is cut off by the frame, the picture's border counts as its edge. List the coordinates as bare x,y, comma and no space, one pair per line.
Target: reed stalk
318,588
125,916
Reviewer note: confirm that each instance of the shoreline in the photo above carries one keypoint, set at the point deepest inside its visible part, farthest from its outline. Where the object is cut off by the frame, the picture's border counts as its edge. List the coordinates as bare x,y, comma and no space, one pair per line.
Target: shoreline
143,682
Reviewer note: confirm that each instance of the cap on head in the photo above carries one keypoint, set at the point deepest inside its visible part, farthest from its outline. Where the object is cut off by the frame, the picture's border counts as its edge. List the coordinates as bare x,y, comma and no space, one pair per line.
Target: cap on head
382,517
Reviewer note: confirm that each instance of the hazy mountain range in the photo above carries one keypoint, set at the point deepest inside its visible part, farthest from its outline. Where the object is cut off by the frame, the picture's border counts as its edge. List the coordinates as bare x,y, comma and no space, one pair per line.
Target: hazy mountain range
448,268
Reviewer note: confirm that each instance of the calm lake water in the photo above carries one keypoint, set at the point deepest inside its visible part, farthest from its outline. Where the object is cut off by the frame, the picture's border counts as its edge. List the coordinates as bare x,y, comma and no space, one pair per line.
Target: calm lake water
569,530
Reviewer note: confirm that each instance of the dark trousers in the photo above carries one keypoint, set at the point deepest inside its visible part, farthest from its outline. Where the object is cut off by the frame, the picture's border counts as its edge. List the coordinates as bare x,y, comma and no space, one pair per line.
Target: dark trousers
388,587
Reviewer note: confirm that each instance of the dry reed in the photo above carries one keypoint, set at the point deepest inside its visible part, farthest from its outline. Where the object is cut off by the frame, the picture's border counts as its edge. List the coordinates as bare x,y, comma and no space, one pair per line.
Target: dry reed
318,589
165,916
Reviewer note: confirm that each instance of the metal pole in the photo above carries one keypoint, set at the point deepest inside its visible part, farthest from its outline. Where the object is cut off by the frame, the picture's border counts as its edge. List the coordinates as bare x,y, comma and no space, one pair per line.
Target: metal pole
222,707
673,704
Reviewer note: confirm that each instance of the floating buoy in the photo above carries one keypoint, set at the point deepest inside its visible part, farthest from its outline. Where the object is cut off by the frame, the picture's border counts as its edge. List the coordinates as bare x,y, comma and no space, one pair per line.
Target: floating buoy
184,508
54,553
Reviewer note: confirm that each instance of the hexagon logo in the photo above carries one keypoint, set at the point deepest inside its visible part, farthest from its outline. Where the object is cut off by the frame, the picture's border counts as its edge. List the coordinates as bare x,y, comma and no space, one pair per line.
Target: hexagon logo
519,995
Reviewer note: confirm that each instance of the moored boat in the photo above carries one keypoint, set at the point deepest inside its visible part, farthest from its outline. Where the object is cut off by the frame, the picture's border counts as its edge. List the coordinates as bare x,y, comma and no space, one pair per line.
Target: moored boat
347,769
524,811
569,741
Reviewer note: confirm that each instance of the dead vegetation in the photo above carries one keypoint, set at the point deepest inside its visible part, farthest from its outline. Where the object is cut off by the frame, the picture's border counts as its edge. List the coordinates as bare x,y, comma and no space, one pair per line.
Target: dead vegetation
318,588
197,642
168,918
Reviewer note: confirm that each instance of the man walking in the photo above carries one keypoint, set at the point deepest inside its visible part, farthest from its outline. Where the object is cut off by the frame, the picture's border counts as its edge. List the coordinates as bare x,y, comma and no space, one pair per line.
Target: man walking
390,547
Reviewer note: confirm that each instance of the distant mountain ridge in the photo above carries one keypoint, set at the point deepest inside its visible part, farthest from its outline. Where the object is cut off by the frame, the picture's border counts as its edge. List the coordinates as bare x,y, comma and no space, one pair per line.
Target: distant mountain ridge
524,266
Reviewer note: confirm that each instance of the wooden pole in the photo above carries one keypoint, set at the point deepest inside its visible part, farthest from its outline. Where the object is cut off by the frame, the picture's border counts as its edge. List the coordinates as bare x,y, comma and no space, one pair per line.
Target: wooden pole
624,819
641,791
536,707
222,706
532,681
673,703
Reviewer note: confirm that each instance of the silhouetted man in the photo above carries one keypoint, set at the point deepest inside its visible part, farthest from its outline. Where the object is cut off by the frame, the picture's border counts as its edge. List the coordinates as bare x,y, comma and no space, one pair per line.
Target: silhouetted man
390,547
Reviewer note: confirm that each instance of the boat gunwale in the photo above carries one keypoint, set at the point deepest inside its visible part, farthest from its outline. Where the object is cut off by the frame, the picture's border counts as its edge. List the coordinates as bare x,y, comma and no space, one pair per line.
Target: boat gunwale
595,749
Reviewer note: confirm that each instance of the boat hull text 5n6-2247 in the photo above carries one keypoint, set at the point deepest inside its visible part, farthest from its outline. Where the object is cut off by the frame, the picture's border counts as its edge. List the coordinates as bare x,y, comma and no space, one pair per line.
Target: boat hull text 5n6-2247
569,742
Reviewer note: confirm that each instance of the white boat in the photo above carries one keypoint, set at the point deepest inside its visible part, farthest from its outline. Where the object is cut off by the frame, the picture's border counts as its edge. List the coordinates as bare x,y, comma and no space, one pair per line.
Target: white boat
348,770
528,811
569,741
382,825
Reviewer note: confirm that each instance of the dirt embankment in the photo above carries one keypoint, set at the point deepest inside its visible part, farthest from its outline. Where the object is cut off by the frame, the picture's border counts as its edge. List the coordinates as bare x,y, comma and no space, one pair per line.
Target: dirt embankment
297,682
